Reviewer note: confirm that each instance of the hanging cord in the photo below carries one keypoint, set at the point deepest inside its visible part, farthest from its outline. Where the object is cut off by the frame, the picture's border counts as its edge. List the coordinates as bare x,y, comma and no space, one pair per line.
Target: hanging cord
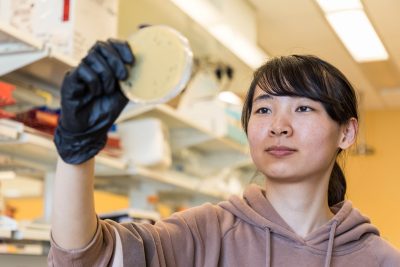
330,244
267,247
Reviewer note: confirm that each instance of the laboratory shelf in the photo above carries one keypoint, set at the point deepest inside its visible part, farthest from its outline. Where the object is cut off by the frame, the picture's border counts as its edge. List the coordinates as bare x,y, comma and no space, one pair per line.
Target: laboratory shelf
24,237
13,40
218,151
37,149
179,180
5,233
30,63
170,180
24,57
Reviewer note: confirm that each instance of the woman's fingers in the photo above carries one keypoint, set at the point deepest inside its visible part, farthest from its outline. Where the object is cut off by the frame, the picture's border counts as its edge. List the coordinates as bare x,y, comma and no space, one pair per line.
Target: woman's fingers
99,71
113,59
124,50
104,72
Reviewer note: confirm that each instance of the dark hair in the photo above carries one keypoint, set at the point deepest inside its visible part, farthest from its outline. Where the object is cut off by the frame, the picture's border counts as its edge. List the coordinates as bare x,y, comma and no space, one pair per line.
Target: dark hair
310,77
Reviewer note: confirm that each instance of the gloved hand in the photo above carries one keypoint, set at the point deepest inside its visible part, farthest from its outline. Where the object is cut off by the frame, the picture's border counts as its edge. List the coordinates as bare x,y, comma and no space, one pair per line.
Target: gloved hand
91,100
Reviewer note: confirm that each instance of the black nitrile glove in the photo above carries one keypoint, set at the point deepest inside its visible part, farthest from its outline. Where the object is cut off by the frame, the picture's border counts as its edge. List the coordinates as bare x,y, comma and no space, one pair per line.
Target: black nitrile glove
91,100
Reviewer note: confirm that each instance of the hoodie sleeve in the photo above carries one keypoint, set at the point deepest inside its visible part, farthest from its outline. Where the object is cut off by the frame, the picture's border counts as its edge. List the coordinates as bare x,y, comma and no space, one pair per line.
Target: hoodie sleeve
189,238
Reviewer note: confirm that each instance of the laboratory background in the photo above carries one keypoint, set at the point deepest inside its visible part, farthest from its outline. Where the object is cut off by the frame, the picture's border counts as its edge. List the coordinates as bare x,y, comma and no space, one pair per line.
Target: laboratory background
166,157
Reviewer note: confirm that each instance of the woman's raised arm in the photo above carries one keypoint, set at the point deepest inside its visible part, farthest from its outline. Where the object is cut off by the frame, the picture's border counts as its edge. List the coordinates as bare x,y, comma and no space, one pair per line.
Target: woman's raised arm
91,101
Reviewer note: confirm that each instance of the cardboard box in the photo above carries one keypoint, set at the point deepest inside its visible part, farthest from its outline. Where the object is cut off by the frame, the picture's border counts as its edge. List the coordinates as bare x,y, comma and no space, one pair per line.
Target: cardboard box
68,26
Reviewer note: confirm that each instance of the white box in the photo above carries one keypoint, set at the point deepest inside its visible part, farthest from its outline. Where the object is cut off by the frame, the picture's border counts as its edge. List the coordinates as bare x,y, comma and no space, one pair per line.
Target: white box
145,142
200,103
222,119
68,26
17,13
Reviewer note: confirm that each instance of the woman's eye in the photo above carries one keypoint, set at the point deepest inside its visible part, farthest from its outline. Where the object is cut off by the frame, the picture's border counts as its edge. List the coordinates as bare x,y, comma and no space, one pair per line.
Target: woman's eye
263,111
304,109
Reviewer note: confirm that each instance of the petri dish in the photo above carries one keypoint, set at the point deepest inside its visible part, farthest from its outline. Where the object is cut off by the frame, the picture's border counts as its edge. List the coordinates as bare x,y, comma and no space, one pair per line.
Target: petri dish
163,65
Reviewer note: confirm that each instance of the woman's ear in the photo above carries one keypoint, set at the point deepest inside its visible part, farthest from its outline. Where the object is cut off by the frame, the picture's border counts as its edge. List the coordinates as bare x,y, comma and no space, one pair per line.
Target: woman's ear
349,133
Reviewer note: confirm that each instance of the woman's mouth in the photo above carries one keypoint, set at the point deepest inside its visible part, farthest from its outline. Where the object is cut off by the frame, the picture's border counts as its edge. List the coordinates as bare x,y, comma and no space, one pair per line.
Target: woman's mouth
280,151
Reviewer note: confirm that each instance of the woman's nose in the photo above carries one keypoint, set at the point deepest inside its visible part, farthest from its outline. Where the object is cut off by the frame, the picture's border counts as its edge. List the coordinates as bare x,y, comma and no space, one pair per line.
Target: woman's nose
281,128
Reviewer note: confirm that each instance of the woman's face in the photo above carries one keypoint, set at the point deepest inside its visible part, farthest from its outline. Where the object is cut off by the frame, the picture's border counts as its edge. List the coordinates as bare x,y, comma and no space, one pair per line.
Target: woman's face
292,138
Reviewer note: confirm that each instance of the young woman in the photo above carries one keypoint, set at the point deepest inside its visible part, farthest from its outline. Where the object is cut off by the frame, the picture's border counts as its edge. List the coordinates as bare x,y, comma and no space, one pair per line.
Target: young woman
300,113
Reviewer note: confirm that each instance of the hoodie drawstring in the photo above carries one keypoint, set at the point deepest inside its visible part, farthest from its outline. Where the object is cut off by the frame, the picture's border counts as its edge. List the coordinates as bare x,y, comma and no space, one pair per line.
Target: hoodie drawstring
330,244
267,247
329,252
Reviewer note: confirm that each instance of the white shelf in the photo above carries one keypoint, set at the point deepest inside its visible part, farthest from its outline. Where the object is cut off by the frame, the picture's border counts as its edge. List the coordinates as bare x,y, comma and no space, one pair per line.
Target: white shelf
18,248
38,150
218,151
120,181
179,180
14,41
22,55
175,121
5,233
32,231
27,239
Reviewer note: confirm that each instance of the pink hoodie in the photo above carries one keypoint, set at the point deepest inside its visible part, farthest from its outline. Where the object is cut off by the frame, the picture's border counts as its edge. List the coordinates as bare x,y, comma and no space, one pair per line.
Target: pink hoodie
238,232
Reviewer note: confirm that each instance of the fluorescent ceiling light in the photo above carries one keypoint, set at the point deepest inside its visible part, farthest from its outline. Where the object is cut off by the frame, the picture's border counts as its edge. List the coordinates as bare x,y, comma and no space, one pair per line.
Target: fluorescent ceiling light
358,35
339,5
354,29
210,18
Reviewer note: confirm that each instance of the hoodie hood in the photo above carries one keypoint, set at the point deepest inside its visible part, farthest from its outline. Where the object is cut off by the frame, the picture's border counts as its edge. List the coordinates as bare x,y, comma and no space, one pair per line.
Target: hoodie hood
339,234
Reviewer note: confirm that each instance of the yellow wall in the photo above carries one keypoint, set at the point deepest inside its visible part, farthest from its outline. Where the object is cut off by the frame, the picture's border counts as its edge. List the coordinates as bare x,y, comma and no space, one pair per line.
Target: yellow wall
32,208
27,208
374,181
106,202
